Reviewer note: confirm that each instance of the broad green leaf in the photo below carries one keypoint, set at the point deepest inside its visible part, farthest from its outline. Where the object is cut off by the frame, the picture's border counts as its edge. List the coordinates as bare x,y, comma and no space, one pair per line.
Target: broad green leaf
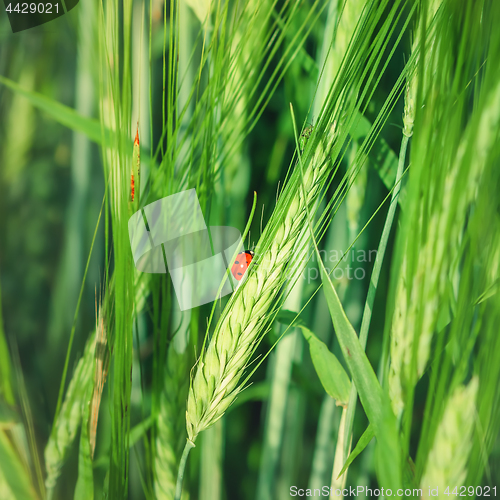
331,373
360,446
70,118
61,113
374,400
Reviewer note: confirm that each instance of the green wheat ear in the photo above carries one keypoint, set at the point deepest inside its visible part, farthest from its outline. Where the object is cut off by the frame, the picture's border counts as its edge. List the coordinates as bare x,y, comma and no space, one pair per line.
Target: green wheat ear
448,458
69,417
215,384
171,434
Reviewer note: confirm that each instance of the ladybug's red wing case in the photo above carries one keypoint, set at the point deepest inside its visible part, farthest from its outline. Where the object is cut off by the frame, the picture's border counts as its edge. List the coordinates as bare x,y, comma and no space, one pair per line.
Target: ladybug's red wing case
241,264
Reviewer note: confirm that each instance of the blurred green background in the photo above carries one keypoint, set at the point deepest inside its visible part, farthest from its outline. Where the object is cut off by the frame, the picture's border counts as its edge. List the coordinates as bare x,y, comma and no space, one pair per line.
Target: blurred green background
52,186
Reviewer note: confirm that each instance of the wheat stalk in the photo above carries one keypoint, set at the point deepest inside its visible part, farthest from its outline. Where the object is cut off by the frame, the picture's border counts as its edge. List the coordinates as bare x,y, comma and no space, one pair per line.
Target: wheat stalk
410,334
239,330
407,311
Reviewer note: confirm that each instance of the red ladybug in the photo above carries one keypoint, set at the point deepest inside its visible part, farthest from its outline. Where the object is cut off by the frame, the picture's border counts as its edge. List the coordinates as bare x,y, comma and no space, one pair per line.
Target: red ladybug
241,264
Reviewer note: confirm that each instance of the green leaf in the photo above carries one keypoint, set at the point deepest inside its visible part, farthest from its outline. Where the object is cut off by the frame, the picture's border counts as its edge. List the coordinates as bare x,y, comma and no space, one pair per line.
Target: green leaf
136,433
139,430
72,119
290,318
61,113
360,446
374,400
258,391
330,371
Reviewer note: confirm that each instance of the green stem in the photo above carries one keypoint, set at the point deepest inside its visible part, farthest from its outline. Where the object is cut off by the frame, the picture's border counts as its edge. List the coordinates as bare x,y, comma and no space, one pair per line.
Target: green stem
182,466
372,290
211,462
